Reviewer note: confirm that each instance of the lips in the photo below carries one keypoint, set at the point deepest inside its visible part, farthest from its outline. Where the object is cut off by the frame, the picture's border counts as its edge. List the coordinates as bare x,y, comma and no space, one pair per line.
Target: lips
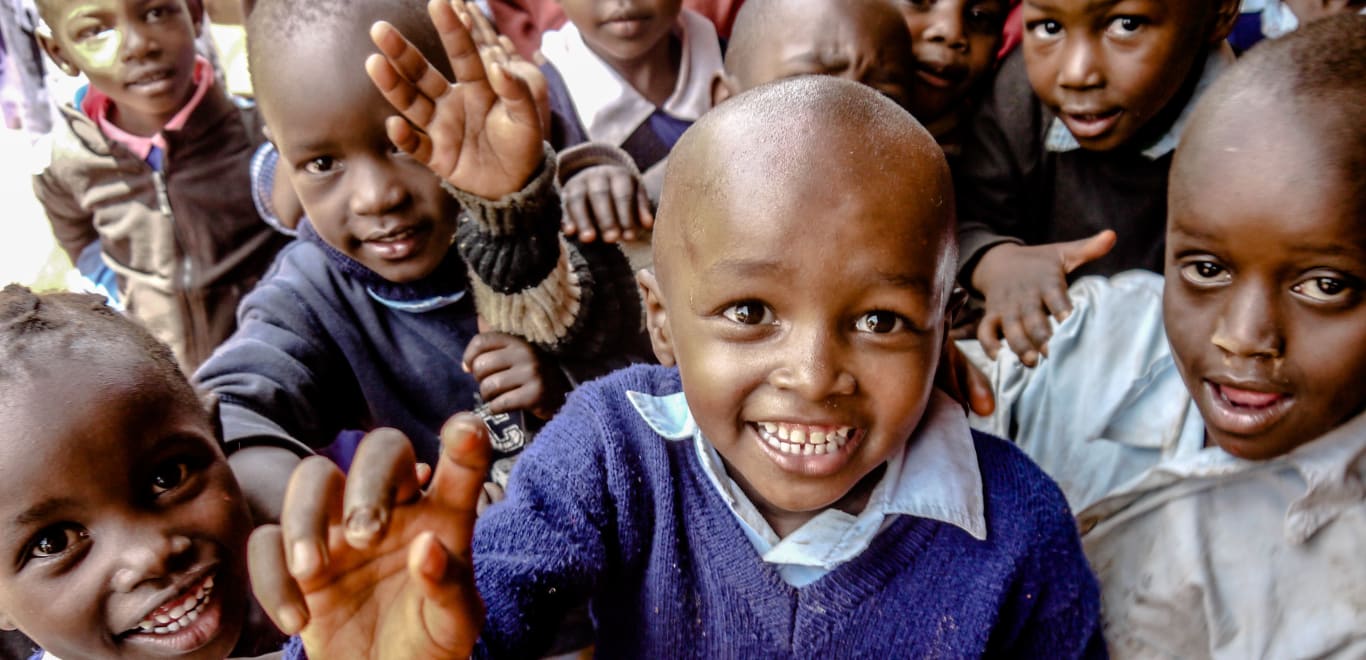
187,620
627,23
1089,124
940,75
1244,408
807,449
151,80
395,243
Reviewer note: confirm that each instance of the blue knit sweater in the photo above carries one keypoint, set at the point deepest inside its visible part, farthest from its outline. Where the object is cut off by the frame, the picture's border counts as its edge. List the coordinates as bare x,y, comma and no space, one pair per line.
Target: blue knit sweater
602,509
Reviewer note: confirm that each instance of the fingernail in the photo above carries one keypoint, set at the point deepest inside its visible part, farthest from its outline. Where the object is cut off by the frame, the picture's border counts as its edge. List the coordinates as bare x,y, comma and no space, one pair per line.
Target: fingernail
364,524
291,620
304,559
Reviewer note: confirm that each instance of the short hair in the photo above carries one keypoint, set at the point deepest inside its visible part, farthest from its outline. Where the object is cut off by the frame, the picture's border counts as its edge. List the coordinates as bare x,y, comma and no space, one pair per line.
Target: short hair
1317,73
275,22
39,331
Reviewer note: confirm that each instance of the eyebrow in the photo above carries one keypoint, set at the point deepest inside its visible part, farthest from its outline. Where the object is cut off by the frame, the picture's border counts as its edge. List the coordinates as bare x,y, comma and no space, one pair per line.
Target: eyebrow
41,511
1342,249
1088,5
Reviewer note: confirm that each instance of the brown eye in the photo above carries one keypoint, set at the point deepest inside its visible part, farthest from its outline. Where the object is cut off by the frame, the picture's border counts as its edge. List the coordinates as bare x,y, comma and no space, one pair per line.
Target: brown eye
1205,273
168,475
1323,289
880,322
53,541
749,312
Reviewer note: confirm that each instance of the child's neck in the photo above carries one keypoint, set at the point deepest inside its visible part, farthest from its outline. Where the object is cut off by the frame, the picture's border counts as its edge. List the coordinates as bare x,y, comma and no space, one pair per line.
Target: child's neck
654,74
146,125
786,522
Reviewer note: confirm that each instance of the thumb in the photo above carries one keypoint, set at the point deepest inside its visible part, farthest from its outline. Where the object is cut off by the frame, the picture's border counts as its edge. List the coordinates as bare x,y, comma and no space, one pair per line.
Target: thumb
1076,254
452,611
464,462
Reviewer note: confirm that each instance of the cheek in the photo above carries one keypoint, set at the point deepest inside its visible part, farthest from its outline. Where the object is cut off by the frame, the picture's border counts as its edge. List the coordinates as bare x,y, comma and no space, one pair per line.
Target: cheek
1329,356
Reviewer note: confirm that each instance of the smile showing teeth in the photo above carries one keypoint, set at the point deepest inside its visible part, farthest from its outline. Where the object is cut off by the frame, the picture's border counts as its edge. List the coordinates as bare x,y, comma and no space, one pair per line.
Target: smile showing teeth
169,618
803,440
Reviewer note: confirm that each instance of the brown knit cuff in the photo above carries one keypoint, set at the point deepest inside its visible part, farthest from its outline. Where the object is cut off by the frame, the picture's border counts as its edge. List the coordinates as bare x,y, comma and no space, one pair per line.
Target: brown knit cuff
511,213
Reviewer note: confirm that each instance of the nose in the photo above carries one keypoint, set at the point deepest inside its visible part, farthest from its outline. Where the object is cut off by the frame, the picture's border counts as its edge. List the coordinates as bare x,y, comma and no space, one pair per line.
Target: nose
1080,67
137,43
376,187
1249,326
946,27
814,366
147,552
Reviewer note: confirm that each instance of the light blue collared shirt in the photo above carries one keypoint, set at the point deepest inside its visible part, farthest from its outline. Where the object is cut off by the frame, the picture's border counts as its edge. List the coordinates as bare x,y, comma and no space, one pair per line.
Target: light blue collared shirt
1059,139
935,475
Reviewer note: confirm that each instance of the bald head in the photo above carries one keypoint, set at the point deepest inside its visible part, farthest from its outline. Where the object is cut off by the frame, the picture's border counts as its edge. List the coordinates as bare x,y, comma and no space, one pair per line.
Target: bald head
814,135
1310,85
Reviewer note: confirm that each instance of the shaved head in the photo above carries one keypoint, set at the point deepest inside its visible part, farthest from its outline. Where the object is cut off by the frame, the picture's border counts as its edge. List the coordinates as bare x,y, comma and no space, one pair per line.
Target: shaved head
799,135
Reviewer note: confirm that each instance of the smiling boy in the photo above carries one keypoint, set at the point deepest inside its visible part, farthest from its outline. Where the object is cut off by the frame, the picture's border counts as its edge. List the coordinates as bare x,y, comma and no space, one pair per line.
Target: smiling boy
1065,170
791,482
1217,458
149,170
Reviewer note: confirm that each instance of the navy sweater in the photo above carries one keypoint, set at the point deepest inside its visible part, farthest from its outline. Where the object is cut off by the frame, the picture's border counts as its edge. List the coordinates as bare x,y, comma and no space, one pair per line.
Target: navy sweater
602,509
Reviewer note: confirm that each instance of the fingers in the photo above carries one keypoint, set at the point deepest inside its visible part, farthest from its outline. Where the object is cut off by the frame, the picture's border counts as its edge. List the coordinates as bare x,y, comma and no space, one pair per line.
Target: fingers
313,501
644,208
382,474
515,92
461,470
625,204
457,40
452,610
275,589
1057,301
403,87
1075,254
578,217
989,333
485,344
604,208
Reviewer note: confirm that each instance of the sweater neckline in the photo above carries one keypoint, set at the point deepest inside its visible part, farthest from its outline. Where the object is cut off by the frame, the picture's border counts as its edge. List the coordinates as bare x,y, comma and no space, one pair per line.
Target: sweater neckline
443,286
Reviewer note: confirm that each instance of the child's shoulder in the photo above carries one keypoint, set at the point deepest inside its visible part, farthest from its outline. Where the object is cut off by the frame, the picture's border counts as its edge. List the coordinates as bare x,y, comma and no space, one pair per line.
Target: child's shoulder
1023,504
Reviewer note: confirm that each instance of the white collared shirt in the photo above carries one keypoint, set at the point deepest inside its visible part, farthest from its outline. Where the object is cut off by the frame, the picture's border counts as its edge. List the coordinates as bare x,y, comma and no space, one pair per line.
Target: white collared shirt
609,107
934,476
1199,553
1060,139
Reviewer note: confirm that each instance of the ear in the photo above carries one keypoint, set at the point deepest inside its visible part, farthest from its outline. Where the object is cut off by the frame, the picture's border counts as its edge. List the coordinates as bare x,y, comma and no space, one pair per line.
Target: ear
723,86
54,51
1225,15
958,299
656,317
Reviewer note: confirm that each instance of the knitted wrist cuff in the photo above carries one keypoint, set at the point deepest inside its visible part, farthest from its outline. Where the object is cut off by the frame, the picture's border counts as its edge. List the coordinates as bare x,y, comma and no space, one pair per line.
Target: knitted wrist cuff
536,203
590,154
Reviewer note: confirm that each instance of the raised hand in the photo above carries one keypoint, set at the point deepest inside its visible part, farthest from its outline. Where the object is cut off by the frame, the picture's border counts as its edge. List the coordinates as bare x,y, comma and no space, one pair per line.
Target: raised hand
481,134
369,566
514,376
1024,285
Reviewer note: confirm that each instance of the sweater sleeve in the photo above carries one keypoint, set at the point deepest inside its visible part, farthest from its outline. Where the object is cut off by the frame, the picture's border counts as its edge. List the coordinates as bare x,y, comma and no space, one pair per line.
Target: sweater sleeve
990,177
543,550
72,225
279,380
564,297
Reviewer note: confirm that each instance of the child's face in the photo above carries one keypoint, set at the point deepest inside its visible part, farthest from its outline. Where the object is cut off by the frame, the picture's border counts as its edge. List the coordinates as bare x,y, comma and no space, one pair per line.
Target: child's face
955,43
1107,68
622,30
806,324
120,518
363,196
862,41
138,52
1265,300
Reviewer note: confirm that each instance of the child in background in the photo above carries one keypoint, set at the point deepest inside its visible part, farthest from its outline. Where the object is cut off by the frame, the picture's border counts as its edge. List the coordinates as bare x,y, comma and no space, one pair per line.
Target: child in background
1068,156
696,525
149,170
955,44
1211,432
370,318
124,531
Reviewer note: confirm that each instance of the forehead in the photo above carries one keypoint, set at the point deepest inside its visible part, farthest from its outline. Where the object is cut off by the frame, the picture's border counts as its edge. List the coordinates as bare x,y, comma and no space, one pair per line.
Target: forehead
60,10
1261,183
807,27
316,90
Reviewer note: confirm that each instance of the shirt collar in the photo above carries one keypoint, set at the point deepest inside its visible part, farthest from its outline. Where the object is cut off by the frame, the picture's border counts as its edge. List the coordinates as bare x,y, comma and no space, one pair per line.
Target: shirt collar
608,106
1331,468
1059,139
935,475
98,106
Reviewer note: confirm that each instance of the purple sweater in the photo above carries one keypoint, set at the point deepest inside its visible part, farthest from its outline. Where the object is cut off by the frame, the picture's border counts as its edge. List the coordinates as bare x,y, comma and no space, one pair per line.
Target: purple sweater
602,510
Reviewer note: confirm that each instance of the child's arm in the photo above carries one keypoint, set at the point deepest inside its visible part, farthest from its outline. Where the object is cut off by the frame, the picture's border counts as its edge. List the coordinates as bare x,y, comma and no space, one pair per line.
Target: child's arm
368,565
483,136
1024,285
72,225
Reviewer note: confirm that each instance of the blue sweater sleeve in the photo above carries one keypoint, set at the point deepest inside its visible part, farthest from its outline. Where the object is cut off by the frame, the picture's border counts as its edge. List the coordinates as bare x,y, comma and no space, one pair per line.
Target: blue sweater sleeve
544,549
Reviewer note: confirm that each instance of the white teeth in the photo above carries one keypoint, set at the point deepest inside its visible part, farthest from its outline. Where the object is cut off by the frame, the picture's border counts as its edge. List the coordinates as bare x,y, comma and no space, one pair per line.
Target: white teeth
817,437
180,616
208,584
192,615
160,630
177,612
819,450
802,440
174,626
808,449
782,432
798,436
163,619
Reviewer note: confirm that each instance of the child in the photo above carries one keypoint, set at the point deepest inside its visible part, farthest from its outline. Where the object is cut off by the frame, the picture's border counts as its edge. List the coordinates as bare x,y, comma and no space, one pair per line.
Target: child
1217,457
367,320
1074,141
955,44
709,526
149,170
124,531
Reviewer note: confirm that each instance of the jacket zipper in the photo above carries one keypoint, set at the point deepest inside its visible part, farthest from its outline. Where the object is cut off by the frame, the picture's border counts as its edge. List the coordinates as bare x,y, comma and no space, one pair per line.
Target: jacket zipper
186,264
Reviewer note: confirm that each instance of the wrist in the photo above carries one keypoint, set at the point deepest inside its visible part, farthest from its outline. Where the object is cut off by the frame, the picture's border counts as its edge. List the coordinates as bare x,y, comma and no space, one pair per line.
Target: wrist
989,263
